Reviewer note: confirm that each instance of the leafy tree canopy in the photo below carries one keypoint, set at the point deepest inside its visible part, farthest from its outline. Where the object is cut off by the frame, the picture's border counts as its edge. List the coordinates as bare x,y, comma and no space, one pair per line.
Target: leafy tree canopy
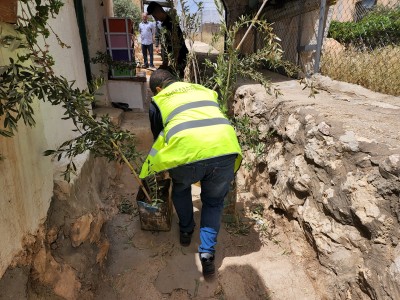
127,9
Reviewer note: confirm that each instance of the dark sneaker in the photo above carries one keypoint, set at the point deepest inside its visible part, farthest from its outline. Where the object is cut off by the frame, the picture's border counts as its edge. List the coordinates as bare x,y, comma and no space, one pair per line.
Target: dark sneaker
185,238
144,66
207,262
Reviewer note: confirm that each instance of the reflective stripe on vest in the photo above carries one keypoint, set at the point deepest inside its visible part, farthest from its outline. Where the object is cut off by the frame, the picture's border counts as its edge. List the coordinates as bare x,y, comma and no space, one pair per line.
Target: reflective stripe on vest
153,152
190,106
195,124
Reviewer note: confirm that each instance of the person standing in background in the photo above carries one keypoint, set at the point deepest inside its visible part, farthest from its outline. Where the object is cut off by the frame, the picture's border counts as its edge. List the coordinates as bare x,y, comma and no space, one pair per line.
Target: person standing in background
147,31
173,40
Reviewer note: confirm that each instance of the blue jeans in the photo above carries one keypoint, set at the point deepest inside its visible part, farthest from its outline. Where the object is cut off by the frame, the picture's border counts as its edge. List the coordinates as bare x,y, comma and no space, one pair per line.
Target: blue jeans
145,49
215,176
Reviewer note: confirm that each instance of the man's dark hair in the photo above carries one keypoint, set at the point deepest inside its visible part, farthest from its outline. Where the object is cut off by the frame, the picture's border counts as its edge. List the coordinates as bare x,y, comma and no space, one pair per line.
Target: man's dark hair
161,78
152,7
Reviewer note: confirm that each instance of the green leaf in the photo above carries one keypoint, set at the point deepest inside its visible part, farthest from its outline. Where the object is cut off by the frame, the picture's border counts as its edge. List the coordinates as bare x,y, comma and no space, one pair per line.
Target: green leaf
6,133
49,152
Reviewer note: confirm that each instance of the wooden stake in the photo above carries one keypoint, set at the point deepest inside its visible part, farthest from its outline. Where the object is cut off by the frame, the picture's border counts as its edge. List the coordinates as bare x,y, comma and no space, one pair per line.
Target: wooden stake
252,24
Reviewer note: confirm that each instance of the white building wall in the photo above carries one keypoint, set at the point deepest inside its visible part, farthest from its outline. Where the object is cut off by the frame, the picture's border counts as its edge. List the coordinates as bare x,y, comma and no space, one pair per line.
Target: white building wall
26,176
26,179
68,63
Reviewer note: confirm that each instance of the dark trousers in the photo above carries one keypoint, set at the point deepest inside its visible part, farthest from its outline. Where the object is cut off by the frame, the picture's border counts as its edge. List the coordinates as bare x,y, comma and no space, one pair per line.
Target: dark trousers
215,176
145,49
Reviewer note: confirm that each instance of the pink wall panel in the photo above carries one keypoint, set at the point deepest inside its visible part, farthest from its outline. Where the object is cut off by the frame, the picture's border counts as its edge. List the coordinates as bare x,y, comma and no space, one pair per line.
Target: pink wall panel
118,41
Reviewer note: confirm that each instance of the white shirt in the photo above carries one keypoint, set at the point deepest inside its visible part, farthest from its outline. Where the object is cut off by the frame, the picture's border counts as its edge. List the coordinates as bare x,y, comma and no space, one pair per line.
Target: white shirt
147,30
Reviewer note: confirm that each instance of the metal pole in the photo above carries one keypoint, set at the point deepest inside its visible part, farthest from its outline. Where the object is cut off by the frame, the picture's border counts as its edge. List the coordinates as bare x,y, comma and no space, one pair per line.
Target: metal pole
320,37
300,33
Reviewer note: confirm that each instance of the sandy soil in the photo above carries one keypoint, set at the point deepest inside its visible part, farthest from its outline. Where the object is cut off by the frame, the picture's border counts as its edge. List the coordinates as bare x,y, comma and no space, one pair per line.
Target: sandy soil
253,261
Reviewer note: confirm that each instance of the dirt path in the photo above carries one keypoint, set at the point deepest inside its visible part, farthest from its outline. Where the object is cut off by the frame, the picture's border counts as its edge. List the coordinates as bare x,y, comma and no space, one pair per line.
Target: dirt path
254,262
254,259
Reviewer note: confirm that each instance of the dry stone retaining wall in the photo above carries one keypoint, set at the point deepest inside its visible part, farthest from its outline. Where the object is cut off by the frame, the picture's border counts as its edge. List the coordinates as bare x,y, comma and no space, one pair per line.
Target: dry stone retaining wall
340,186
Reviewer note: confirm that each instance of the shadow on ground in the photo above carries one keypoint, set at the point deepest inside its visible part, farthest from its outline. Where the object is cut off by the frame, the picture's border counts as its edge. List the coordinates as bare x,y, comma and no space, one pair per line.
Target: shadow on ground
153,265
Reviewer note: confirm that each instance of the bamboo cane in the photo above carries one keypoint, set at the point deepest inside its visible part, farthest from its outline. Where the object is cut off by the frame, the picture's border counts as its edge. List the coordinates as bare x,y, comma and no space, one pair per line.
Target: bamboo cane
133,171
246,34
252,24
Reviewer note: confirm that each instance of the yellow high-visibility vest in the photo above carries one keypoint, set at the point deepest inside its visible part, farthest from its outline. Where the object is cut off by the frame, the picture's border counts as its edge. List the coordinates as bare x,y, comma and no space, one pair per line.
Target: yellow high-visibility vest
195,129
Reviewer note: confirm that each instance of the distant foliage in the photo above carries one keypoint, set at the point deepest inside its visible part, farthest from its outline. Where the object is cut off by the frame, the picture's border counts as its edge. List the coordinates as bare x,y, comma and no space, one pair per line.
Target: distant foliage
380,27
127,9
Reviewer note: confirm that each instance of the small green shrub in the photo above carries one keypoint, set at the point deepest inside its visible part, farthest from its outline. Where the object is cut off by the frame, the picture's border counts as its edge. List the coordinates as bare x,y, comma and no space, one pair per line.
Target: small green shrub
380,27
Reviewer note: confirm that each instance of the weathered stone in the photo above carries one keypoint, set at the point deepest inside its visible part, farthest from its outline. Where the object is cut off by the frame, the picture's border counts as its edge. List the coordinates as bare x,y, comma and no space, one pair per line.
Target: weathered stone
62,189
370,147
265,131
363,199
104,246
324,128
394,269
364,161
292,127
298,177
80,230
383,185
391,165
344,261
51,235
302,184
349,141
95,232
314,151
250,100
341,185
60,277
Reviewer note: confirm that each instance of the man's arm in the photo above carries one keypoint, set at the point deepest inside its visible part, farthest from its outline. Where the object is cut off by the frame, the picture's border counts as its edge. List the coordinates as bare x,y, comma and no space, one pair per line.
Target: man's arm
156,124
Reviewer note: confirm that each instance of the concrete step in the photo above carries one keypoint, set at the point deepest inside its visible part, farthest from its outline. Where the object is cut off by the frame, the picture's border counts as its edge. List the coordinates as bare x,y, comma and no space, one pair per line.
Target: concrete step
157,60
116,115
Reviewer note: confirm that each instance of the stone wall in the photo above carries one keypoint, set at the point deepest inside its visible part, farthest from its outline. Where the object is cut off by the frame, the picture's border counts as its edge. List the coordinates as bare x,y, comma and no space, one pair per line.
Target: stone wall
333,168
